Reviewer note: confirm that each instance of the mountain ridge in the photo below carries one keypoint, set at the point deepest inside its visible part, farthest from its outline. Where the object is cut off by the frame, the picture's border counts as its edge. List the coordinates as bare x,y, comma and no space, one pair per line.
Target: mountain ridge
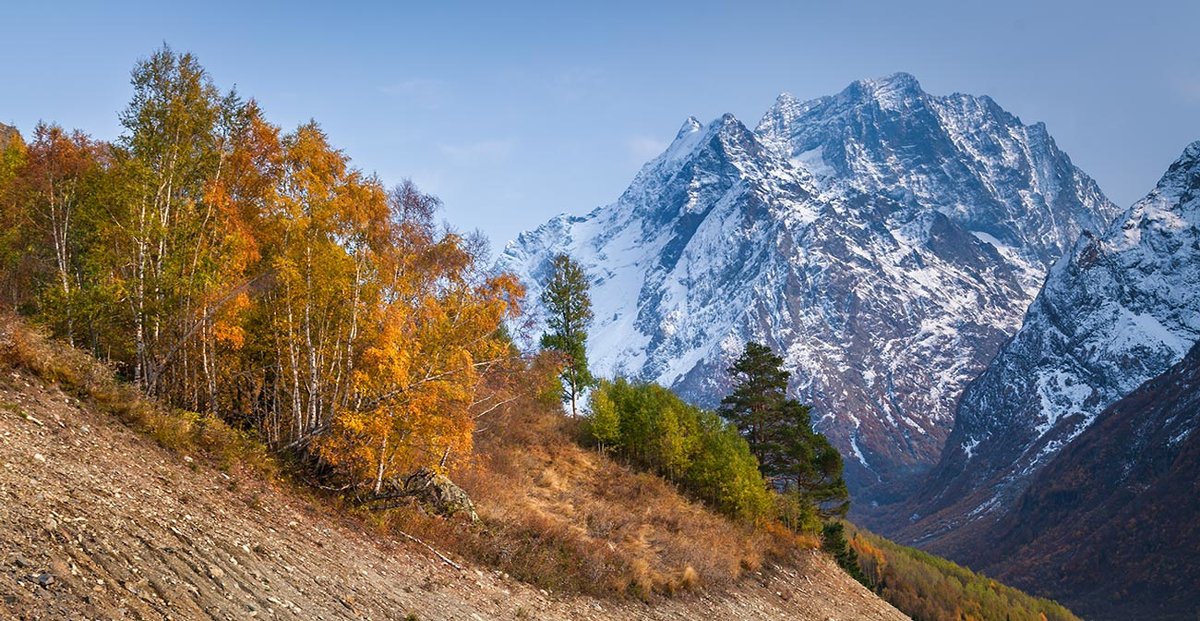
883,291
1116,312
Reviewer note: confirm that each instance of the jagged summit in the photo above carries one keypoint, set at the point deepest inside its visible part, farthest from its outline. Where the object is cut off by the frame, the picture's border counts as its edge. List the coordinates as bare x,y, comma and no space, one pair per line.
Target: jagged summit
887,252
962,155
891,91
1184,174
691,125
786,100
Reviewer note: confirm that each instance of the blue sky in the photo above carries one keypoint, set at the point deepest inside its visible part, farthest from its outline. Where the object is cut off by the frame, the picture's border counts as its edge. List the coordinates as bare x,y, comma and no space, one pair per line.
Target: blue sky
512,112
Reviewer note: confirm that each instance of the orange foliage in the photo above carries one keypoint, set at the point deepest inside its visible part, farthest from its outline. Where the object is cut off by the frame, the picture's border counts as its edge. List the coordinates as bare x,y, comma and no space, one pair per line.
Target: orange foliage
419,378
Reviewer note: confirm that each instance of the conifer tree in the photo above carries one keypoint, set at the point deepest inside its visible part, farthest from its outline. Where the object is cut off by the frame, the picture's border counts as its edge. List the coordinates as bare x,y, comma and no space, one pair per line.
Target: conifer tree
756,405
780,433
568,315
810,464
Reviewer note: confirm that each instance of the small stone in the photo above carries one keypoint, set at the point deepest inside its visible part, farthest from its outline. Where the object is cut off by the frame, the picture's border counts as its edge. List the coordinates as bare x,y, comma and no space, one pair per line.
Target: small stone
216,573
45,579
39,457
21,562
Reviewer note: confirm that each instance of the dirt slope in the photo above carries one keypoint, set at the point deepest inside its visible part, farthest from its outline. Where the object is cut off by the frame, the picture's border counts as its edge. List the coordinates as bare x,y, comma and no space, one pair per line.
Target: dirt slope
98,522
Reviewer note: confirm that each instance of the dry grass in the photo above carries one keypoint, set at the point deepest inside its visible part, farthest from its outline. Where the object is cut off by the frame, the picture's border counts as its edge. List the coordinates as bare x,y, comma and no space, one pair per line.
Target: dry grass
570,519
77,373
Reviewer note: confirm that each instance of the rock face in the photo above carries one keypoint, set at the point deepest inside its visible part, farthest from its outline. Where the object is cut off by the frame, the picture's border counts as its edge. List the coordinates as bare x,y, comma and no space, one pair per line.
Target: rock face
960,155
1121,308
885,241
439,493
1109,525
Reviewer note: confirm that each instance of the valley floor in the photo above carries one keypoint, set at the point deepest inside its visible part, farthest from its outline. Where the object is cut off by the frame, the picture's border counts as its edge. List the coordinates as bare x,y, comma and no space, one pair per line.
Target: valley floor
98,522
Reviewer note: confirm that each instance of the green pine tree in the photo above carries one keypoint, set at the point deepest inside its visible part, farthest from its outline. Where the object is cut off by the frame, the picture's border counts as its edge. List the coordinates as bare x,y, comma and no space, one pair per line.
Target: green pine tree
756,405
811,465
568,315
780,434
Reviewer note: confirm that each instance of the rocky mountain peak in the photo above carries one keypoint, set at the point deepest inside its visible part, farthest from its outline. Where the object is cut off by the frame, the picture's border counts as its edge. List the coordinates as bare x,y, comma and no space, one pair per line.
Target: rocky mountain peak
885,252
1184,174
690,126
895,91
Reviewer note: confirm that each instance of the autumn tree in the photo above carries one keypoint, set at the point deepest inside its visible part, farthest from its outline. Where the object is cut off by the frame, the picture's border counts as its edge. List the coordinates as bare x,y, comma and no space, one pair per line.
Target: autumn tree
244,273
57,167
435,333
176,141
568,308
12,216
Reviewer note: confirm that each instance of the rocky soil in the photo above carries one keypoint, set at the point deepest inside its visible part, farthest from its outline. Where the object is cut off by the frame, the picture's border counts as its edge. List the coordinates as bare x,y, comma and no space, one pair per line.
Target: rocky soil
97,522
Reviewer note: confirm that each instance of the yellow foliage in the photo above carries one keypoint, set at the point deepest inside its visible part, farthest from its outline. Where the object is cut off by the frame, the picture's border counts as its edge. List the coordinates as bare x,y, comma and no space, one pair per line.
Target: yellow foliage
419,378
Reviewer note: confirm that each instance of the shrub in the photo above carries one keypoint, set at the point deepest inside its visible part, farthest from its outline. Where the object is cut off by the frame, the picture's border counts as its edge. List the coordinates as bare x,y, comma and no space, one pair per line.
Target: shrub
76,372
694,448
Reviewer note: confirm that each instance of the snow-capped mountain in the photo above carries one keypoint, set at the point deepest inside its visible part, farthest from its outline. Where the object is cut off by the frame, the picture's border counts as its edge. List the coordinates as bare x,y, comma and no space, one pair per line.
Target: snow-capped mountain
1121,308
884,240
962,155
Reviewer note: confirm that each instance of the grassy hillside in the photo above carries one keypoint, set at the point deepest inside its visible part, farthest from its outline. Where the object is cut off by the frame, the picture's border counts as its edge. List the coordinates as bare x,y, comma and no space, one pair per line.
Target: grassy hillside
566,517
565,531
554,514
99,521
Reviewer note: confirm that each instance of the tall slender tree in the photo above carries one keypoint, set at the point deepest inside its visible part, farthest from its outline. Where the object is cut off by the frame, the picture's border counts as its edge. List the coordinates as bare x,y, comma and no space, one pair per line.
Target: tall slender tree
174,147
756,405
568,315
779,431
57,166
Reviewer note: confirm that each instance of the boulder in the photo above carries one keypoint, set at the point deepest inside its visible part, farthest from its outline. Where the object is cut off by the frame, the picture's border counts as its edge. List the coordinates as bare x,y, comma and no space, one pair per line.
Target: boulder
439,493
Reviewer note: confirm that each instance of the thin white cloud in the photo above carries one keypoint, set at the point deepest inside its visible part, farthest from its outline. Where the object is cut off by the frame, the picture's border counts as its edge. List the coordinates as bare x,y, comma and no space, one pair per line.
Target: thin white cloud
424,92
641,149
476,153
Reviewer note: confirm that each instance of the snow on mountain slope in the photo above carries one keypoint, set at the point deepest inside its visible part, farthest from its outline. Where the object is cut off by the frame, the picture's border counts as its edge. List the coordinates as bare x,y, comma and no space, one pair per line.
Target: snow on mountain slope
962,155
886,241
1120,309
1115,509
